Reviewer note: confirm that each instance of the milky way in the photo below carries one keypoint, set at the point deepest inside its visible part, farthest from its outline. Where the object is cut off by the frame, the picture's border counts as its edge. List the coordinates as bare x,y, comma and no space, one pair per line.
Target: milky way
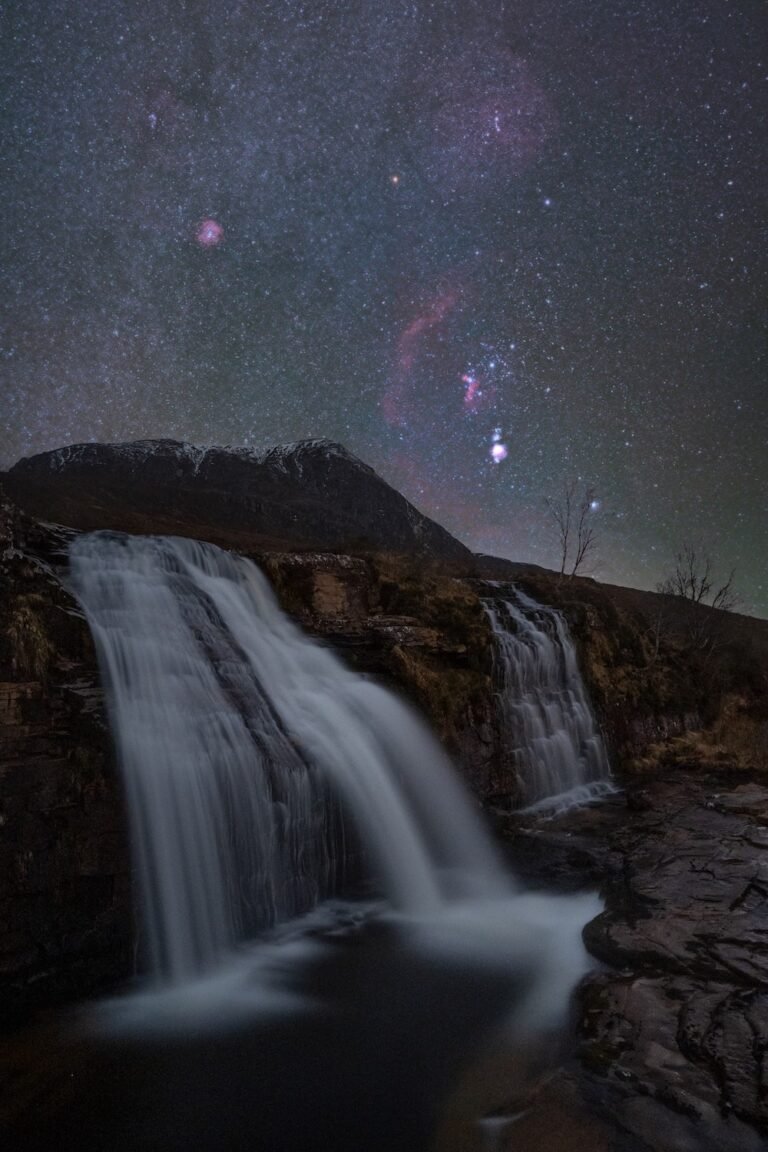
437,232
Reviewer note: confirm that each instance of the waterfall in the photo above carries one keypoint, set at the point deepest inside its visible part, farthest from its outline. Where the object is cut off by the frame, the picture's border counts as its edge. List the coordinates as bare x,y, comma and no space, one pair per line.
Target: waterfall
551,739
250,754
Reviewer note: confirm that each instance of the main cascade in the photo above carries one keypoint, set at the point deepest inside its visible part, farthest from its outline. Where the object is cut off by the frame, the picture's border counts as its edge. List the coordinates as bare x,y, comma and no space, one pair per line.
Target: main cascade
551,739
250,754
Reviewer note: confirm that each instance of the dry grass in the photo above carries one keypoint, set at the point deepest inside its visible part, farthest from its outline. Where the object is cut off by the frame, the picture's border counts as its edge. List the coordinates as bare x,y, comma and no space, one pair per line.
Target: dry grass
28,637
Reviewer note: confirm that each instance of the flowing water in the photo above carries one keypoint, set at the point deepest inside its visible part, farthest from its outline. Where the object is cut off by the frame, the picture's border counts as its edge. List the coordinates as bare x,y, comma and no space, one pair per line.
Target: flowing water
247,750
264,781
550,737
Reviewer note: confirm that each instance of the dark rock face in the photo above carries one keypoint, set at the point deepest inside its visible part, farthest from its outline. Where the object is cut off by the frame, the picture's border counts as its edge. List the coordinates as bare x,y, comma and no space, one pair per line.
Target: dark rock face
309,495
422,633
695,884
66,921
675,1034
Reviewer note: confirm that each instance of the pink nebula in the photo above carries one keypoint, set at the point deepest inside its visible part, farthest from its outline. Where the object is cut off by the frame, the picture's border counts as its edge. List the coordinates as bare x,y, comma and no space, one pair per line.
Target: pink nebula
479,393
471,389
394,404
499,452
209,233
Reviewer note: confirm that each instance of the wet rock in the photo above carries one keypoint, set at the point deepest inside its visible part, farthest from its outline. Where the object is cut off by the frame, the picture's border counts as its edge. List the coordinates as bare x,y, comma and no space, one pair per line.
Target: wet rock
694,892
675,1032
66,922
418,629
657,1064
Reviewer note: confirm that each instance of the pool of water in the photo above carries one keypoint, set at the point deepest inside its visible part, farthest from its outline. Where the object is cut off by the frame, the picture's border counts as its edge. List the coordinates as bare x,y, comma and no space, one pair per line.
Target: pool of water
350,1029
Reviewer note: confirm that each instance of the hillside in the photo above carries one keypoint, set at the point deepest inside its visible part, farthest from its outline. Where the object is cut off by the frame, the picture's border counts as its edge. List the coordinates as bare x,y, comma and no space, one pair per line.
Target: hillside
311,495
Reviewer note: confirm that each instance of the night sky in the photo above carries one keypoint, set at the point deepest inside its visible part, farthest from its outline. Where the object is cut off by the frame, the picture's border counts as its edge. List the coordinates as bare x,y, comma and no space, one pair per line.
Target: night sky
490,245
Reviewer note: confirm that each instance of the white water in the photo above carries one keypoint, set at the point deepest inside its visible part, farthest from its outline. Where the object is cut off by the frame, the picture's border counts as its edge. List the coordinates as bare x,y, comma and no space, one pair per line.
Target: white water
551,739
242,742
256,766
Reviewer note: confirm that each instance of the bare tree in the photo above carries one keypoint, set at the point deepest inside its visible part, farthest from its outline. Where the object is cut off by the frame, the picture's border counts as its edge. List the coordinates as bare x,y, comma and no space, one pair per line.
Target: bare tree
572,517
692,580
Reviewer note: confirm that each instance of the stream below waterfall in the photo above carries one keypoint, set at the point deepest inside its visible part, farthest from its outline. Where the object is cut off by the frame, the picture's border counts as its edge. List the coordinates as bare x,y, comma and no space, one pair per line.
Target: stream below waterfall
344,1031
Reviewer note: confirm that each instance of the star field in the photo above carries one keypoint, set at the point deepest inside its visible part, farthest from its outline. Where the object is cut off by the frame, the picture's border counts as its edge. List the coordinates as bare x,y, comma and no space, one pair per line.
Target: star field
489,245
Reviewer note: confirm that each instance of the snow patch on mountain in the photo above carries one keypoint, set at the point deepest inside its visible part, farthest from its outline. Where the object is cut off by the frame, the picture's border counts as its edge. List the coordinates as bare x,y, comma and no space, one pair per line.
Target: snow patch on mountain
285,457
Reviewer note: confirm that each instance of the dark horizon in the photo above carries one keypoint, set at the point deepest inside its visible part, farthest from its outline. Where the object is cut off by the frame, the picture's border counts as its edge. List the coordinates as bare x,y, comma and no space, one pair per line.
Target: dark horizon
739,609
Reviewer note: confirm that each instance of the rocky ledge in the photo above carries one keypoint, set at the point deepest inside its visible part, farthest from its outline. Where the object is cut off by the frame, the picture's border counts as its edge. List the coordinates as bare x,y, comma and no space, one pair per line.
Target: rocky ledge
66,921
673,1052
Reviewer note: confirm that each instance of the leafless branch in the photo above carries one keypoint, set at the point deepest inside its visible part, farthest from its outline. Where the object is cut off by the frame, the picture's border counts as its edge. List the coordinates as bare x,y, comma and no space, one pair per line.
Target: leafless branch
576,535
692,580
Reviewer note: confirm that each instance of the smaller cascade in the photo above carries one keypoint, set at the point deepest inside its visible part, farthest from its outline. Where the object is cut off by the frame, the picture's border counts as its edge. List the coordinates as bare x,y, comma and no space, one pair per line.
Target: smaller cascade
551,740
